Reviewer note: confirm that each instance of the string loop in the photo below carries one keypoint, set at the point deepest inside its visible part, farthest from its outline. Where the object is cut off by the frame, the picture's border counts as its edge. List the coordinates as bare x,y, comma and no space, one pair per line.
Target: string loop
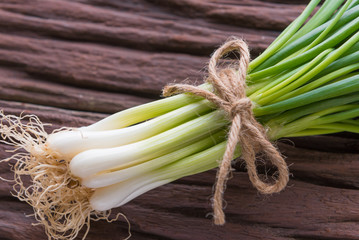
229,85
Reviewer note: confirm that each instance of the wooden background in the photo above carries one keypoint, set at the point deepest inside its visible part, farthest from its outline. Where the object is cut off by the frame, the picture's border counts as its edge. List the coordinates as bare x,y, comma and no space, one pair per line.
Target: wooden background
75,62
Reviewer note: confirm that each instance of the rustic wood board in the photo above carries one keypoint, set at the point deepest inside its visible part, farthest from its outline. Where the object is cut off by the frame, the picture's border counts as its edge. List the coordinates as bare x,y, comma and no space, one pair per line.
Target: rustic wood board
75,62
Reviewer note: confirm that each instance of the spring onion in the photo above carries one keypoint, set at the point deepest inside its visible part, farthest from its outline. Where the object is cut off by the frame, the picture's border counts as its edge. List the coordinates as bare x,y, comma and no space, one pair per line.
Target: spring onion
305,83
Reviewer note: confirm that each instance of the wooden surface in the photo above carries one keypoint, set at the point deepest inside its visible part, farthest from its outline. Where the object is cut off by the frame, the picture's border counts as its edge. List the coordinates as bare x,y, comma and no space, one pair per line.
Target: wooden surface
75,62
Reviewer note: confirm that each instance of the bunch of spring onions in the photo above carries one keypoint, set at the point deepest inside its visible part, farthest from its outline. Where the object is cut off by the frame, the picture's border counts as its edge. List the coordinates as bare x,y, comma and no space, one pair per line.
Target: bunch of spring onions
305,83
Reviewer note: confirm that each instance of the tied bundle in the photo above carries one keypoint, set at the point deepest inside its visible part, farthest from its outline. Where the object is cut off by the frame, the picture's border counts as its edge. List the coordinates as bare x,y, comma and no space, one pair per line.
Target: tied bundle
229,86
305,83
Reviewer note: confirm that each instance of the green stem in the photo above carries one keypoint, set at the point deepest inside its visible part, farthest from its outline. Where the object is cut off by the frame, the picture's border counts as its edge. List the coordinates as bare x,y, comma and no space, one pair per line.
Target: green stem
331,24
296,79
330,42
322,15
319,82
287,35
336,89
145,111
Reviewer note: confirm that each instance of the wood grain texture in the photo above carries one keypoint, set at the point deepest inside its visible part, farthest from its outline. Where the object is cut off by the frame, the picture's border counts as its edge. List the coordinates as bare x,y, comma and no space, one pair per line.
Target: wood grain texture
74,62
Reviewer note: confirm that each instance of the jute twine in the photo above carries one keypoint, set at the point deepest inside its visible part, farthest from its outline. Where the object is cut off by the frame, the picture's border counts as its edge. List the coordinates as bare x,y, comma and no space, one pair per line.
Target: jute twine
229,86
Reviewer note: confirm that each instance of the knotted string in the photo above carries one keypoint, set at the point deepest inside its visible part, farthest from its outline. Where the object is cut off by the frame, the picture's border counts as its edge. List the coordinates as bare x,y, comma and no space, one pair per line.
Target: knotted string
229,85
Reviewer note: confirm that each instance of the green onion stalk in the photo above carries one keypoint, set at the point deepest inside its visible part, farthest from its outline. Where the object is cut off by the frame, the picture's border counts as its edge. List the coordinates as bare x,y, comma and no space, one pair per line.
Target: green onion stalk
305,83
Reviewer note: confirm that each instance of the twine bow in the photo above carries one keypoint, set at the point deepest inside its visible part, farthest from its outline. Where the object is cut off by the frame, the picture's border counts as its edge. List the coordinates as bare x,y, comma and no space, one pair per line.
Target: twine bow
229,85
